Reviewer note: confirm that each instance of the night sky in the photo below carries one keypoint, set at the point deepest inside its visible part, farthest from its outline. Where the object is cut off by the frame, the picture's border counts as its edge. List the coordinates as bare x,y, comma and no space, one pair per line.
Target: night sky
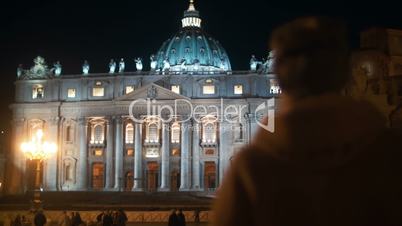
72,31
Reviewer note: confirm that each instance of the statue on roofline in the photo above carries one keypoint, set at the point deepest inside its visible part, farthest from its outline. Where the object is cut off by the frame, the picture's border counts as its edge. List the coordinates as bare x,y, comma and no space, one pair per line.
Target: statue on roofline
253,63
112,66
85,67
138,64
153,62
166,65
122,65
57,69
20,71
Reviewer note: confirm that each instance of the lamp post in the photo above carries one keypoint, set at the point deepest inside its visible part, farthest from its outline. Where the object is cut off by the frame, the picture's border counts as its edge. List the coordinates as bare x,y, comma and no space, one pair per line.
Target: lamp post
39,150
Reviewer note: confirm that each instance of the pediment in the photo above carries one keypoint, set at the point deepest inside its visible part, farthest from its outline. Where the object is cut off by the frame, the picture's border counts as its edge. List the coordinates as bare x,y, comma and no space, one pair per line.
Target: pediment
152,91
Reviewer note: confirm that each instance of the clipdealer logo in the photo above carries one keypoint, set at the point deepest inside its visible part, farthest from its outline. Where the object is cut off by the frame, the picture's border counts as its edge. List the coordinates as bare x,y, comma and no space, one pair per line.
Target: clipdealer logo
264,114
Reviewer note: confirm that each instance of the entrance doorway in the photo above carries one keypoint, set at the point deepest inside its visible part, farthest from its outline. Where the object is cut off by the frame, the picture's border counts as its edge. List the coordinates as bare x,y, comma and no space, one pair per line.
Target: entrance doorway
152,176
129,181
97,176
209,176
175,180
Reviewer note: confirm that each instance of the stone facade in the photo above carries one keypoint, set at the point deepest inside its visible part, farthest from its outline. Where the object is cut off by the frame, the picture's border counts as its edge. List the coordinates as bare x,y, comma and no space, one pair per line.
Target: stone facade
111,128
101,146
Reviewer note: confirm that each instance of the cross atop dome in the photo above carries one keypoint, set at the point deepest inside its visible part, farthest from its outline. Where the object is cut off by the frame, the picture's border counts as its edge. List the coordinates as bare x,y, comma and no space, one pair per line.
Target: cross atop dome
191,6
191,17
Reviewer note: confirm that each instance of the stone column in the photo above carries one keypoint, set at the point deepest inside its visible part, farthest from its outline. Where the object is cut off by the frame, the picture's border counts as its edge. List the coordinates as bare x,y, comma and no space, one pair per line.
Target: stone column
16,165
248,127
196,156
82,172
165,157
138,158
119,154
224,148
253,126
185,160
51,163
109,154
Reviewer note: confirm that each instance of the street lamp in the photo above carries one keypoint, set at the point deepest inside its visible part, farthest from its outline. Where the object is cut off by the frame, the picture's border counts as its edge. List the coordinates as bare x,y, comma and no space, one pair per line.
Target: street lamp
39,150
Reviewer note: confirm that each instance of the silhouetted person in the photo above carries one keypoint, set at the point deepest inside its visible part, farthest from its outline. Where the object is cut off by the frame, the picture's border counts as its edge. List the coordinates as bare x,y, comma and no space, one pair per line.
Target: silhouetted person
121,218
65,220
40,218
197,216
17,221
76,219
99,218
181,219
108,219
331,160
173,219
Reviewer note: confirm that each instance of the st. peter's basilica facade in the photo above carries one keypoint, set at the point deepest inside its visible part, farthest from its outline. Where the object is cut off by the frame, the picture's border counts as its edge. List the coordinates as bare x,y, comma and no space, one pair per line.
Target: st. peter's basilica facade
111,129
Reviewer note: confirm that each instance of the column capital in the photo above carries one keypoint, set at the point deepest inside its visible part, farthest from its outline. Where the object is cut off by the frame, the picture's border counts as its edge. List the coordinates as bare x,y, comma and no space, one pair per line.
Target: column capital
18,121
118,119
53,120
138,123
82,121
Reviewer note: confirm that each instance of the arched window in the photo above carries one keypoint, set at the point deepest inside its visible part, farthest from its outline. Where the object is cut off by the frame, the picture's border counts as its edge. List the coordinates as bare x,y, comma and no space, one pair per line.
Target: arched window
209,132
175,136
98,134
129,133
153,133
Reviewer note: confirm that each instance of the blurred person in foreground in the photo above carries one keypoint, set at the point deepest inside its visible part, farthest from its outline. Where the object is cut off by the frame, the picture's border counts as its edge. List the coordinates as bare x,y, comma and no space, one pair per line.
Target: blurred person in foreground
331,159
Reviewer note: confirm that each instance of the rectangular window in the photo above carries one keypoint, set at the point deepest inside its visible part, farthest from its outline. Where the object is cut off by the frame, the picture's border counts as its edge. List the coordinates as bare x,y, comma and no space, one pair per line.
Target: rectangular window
129,89
208,89
175,89
71,93
98,152
238,89
130,152
175,152
274,87
98,91
38,92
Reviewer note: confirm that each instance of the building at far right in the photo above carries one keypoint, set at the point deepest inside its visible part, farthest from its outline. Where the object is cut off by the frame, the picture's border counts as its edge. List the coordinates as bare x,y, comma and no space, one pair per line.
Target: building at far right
377,72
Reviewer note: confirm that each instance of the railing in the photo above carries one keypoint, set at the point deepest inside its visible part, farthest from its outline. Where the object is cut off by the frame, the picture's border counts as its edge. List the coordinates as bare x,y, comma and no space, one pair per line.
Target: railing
211,190
168,73
209,144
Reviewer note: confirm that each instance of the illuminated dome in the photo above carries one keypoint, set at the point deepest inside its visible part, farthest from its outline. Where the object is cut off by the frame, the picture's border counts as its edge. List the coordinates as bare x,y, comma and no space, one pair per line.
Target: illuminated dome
191,49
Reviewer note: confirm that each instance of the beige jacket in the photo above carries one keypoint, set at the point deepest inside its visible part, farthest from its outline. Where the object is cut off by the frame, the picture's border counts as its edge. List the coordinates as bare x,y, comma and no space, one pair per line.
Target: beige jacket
331,161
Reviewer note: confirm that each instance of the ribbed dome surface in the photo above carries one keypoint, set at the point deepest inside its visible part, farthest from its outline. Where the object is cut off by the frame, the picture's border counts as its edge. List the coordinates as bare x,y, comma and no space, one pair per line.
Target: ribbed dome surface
191,48
192,45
